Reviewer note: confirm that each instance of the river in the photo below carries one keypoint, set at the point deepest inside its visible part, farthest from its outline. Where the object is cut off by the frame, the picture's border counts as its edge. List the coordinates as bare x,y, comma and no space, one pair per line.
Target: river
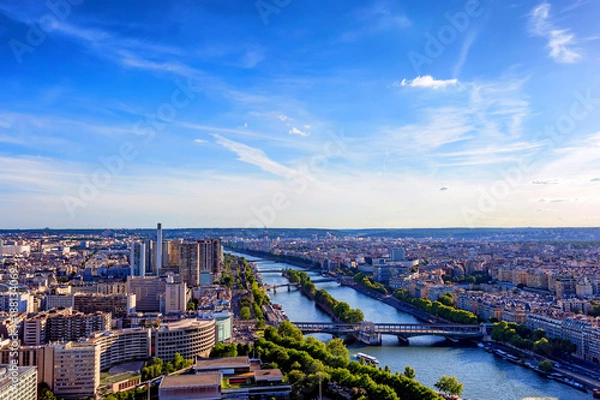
485,376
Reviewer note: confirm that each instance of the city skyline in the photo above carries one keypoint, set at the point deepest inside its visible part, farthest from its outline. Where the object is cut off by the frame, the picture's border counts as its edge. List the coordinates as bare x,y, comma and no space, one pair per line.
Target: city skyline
289,114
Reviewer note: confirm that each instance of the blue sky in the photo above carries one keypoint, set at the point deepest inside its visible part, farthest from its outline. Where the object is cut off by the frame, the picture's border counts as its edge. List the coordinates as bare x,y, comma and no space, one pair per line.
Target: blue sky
299,114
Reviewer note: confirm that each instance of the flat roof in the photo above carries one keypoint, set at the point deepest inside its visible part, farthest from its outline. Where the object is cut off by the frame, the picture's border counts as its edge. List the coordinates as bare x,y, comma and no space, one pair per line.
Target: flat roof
186,381
223,362
268,375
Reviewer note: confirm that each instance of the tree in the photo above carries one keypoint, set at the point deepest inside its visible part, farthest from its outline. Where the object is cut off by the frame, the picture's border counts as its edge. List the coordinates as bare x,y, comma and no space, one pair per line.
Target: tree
44,392
543,346
410,372
337,348
450,385
546,366
224,350
245,313
191,306
287,329
447,299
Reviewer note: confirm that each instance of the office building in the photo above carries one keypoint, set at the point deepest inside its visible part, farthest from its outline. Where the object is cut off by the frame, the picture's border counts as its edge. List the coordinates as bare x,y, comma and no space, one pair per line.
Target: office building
175,298
188,337
147,291
137,259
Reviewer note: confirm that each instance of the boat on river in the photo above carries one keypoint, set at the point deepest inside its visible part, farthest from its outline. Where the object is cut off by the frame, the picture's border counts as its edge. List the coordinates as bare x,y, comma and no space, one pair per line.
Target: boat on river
368,359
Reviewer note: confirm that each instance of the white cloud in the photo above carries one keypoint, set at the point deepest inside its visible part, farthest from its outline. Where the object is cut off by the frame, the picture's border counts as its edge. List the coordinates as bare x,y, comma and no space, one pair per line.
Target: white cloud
561,42
200,141
283,117
254,156
427,81
296,131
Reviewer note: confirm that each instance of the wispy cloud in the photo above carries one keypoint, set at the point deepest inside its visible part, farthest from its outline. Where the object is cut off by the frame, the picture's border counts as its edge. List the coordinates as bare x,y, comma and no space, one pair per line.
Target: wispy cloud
254,156
561,42
426,81
440,126
464,51
296,131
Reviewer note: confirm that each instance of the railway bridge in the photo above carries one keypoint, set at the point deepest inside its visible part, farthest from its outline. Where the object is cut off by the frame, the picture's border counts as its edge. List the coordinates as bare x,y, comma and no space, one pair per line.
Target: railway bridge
370,332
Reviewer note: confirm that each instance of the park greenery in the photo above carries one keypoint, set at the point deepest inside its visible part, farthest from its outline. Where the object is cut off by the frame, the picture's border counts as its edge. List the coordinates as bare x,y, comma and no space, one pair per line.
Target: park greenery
306,361
522,337
439,307
157,367
230,350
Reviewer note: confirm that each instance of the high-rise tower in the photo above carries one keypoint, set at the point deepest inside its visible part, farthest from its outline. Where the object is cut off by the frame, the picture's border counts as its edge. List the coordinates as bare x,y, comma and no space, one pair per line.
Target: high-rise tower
137,259
159,248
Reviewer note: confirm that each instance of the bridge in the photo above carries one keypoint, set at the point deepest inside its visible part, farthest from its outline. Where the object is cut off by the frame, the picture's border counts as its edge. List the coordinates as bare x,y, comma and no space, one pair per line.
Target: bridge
370,332
274,287
266,271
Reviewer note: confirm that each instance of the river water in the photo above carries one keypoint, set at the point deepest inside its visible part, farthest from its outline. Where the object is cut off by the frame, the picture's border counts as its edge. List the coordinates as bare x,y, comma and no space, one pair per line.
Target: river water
484,375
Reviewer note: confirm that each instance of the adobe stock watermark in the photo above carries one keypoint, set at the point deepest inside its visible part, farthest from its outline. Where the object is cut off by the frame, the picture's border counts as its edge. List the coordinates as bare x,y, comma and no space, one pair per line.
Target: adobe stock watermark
550,136
435,45
146,129
267,7
60,10
13,332
299,181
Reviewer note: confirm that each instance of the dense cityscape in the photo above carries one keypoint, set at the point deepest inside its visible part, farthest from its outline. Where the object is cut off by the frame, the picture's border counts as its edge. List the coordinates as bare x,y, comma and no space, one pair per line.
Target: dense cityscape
112,314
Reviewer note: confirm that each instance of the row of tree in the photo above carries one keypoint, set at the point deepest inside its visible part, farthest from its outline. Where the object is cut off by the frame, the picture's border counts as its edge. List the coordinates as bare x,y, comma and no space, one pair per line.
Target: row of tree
437,308
363,280
523,337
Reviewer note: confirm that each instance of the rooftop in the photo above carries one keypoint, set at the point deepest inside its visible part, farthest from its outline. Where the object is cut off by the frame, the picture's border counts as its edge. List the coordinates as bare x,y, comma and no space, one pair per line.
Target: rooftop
206,379
222,363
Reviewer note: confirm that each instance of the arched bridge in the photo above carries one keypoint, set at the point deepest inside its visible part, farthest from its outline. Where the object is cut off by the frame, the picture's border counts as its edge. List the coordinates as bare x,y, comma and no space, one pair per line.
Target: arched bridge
370,332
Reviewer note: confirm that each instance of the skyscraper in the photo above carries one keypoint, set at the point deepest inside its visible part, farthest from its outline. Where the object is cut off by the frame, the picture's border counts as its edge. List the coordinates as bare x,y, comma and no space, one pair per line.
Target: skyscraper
199,258
159,248
137,259
189,262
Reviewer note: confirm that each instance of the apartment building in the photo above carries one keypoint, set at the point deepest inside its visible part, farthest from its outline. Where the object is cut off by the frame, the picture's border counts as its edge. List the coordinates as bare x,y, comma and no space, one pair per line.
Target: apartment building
120,305
122,346
76,369
23,386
